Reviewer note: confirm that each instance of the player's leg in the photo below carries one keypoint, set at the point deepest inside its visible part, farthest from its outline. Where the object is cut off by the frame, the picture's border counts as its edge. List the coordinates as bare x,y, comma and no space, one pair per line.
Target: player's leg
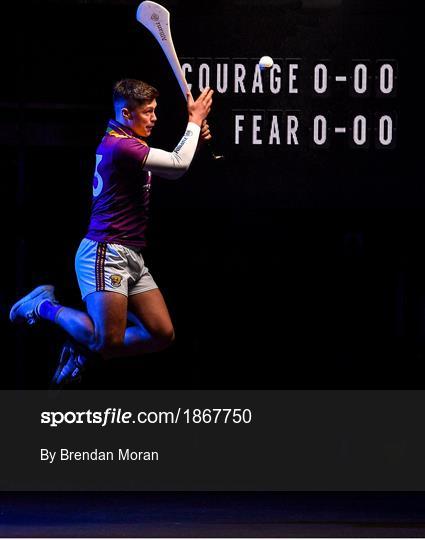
78,324
153,330
103,329
107,275
41,303
101,332
102,278
108,311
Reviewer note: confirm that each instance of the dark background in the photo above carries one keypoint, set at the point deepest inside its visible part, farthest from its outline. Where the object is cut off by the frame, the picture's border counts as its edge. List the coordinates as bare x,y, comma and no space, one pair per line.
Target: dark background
282,267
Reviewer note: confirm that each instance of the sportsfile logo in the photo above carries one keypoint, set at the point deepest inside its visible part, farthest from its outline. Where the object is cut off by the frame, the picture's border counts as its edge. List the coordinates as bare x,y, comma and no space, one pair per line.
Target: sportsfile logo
155,19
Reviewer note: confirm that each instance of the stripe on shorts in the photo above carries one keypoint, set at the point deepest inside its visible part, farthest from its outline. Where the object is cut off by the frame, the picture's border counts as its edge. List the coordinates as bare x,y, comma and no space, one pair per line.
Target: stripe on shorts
100,266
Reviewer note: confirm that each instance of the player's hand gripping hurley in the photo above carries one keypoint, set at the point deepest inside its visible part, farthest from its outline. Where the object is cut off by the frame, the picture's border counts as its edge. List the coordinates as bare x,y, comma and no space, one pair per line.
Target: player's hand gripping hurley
157,20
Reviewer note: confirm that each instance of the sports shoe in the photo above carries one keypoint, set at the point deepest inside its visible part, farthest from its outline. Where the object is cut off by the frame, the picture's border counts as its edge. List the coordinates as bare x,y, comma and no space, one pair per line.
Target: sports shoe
25,309
71,365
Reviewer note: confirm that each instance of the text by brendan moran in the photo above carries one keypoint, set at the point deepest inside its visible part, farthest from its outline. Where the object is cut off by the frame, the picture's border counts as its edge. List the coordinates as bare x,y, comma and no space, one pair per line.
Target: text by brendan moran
122,454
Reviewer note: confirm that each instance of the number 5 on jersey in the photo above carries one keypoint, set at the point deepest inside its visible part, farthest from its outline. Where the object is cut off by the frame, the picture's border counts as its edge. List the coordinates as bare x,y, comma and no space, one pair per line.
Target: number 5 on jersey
98,189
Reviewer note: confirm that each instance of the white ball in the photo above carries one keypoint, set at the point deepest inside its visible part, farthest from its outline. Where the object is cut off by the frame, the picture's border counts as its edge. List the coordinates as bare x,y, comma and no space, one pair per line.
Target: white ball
265,62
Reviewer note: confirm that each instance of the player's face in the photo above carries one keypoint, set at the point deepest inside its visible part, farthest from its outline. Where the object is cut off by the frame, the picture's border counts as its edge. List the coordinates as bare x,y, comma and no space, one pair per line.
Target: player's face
143,118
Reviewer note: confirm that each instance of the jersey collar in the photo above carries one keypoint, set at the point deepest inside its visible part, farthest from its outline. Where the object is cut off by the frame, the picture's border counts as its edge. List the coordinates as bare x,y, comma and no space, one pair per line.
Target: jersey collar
117,129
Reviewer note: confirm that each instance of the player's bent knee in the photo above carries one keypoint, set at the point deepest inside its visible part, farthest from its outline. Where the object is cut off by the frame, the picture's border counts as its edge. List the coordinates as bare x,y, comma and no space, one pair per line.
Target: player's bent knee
109,345
164,338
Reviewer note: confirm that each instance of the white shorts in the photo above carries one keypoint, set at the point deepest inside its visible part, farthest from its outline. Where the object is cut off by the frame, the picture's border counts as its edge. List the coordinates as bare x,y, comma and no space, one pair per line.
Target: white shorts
111,267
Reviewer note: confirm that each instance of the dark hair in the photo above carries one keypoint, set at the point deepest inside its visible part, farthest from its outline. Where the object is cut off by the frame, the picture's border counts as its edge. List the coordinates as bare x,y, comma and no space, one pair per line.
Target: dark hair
131,93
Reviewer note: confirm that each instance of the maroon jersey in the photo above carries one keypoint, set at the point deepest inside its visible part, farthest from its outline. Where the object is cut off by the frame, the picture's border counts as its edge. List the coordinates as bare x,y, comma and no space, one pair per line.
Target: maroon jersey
121,189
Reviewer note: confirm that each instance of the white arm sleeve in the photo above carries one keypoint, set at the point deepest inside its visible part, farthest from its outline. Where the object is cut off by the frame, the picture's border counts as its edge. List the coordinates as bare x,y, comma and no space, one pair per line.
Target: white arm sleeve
174,164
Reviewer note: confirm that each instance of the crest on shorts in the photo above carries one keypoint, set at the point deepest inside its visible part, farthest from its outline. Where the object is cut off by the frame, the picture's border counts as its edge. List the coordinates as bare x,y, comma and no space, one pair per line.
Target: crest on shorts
116,280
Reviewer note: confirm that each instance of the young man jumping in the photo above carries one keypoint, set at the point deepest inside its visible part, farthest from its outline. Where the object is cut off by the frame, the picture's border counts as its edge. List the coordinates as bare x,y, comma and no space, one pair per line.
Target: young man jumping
126,312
